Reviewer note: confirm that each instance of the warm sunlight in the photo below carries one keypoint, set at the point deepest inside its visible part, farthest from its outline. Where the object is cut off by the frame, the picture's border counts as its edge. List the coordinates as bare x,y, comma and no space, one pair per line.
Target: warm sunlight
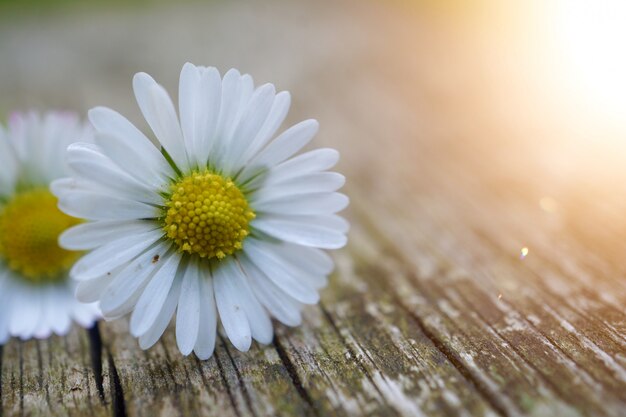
590,38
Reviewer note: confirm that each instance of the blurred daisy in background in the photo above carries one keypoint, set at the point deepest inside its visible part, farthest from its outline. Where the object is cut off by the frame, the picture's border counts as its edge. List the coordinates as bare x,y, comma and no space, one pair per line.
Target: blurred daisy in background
221,221
36,294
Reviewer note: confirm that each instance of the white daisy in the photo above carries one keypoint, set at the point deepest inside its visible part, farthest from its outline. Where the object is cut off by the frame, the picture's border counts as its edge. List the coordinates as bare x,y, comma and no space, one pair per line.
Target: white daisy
36,294
222,220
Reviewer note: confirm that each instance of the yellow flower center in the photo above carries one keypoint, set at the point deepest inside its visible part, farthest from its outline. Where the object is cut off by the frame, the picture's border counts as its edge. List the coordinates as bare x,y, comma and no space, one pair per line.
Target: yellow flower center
30,224
207,214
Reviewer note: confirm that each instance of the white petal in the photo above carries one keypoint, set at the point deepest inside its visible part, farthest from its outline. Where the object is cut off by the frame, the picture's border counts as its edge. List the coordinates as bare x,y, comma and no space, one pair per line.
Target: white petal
283,147
63,187
96,206
307,163
121,141
208,318
138,164
208,104
252,120
308,264
91,290
6,306
258,319
59,131
127,285
48,305
310,261
283,307
263,256
188,314
164,317
305,204
231,92
93,234
62,321
103,260
232,313
300,262
246,89
20,132
93,166
153,298
277,115
26,311
158,110
69,187
326,232
25,134
331,221
85,314
188,90
199,104
319,182
4,330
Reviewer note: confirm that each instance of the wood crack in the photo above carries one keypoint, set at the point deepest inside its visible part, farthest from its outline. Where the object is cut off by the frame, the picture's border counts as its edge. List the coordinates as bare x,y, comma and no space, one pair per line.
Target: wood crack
42,386
205,383
95,352
231,397
240,381
117,392
293,374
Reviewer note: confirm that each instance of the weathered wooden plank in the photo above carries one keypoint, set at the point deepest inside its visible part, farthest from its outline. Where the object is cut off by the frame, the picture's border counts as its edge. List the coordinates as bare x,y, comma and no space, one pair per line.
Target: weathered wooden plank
50,377
542,298
262,379
161,380
511,384
551,300
408,367
380,364
291,378
585,383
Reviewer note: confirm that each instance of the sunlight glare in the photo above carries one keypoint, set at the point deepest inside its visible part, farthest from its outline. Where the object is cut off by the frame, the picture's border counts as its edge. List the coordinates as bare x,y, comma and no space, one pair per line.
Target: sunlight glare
591,36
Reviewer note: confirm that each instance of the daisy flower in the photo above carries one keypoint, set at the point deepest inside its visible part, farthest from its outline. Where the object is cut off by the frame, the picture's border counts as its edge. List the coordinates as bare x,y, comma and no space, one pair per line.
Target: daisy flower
36,294
220,220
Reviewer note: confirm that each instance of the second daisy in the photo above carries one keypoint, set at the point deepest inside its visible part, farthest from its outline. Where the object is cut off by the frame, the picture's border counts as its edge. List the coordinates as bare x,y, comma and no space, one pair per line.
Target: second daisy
36,294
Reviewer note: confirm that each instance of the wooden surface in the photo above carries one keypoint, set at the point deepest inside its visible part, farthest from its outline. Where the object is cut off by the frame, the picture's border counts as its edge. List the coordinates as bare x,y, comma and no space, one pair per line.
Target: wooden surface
452,169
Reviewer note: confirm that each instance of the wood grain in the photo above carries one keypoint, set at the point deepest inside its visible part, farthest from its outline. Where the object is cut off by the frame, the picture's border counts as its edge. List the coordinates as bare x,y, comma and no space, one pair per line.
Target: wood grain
431,311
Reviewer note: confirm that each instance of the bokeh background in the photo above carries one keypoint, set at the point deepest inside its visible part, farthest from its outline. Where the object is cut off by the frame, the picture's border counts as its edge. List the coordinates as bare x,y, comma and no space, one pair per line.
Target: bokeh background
543,79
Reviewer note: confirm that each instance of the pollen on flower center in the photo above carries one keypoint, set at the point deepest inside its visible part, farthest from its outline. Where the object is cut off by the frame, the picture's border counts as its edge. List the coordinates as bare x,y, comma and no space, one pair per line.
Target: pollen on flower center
207,214
30,224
